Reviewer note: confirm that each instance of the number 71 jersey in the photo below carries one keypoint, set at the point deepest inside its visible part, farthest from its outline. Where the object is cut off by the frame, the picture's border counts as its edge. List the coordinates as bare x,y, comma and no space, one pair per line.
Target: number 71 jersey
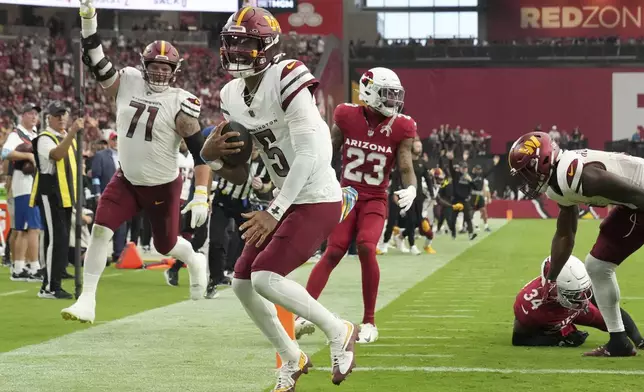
148,143
369,153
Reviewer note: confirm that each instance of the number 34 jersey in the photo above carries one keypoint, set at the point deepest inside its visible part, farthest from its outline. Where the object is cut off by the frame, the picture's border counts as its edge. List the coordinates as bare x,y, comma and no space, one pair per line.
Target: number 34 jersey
369,150
266,120
148,143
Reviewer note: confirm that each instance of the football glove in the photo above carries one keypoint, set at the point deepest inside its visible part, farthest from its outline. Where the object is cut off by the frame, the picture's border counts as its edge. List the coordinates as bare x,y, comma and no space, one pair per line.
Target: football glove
87,9
406,197
574,339
458,207
198,206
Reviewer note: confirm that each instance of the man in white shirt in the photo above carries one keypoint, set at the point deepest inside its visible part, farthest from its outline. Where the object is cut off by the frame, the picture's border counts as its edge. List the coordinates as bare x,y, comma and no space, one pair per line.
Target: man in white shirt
27,222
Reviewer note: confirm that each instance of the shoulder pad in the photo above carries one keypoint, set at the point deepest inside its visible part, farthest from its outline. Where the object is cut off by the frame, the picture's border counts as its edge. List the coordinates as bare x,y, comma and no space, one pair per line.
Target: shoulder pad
568,173
294,76
189,104
407,125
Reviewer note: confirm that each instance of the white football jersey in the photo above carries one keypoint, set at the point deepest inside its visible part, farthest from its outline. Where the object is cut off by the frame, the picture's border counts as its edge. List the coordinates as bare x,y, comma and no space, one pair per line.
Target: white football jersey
187,170
145,120
265,120
570,165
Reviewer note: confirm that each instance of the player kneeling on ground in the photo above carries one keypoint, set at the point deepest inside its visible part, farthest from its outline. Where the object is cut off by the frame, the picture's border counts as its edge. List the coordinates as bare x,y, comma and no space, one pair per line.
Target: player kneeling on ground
554,322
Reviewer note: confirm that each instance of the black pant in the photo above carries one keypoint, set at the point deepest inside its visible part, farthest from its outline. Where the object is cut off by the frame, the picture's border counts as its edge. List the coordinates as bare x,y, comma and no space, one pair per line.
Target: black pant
411,220
134,226
146,231
57,222
467,217
224,247
392,218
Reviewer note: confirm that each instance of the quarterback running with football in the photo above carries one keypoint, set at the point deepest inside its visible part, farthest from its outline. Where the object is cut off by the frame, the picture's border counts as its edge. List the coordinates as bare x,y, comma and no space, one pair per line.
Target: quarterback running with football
590,177
273,99
152,118
372,139
554,322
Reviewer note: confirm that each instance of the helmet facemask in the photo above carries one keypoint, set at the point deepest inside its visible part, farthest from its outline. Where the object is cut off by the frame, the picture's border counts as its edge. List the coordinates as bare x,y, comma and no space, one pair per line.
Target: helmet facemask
574,299
388,100
159,74
244,55
533,183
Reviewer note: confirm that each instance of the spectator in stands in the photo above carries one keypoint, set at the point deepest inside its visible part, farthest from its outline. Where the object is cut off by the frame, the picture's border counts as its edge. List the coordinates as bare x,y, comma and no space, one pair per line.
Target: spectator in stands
554,134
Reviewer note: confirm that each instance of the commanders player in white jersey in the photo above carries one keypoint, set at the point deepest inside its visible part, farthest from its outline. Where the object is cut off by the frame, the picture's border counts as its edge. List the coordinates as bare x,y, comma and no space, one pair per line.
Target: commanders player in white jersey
595,178
273,99
152,118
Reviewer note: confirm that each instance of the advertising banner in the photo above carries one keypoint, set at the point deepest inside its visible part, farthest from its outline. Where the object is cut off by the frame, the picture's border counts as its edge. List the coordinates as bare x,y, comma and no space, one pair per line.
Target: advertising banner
317,17
515,19
151,5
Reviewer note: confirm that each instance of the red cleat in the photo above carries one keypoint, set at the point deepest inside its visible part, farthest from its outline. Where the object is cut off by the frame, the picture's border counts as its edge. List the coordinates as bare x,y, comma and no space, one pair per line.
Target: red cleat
601,351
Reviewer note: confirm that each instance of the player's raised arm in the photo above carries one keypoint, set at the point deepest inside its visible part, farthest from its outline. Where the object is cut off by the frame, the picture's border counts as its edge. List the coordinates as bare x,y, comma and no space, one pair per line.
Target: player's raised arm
93,56
563,241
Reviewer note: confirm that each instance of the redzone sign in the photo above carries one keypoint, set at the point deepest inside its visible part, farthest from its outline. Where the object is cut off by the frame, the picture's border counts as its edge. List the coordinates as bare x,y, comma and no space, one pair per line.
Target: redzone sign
591,17
516,19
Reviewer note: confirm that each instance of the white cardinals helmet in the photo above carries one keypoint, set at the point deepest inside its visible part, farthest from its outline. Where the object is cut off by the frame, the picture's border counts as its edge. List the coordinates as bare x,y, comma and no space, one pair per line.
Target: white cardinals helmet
574,289
380,89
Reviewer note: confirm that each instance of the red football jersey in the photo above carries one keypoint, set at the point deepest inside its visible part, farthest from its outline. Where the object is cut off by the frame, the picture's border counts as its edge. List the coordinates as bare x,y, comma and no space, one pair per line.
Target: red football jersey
368,150
551,316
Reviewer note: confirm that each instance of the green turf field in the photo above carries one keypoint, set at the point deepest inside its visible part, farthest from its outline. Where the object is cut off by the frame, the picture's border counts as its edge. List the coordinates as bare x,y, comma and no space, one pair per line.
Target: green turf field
445,326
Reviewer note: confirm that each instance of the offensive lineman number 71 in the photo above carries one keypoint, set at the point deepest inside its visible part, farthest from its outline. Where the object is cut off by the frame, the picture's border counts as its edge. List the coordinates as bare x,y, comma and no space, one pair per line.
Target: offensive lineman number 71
140,108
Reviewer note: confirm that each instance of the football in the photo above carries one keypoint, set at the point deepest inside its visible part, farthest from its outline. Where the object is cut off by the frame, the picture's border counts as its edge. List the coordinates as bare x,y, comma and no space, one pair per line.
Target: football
244,136
25,166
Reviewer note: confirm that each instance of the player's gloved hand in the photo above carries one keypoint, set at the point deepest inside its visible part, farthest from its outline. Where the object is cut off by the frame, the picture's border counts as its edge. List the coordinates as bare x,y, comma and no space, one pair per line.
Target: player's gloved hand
406,197
198,206
87,9
276,191
574,339
548,290
458,207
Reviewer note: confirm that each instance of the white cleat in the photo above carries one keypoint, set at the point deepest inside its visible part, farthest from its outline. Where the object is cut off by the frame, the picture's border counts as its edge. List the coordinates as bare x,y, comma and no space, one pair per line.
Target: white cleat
289,373
198,270
368,333
342,353
84,310
415,251
303,327
382,248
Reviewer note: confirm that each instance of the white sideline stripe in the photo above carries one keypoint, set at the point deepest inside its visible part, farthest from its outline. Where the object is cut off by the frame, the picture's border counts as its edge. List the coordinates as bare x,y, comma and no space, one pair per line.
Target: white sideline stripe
464,322
435,306
111,275
446,369
414,345
632,298
416,329
404,316
442,310
416,337
8,293
407,355
450,300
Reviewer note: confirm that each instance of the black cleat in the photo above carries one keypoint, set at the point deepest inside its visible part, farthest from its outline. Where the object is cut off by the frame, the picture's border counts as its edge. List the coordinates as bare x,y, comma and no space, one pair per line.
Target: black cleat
23,276
211,290
472,236
171,277
58,294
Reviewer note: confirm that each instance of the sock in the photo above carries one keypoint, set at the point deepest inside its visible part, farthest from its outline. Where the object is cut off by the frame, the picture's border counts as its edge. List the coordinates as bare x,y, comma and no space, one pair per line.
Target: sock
294,298
264,315
95,259
178,264
34,266
606,290
370,280
18,266
322,270
428,242
631,328
182,251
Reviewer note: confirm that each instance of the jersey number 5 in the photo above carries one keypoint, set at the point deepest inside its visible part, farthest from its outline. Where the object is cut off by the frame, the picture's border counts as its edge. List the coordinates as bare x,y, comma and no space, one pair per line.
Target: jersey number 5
140,108
358,157
266,137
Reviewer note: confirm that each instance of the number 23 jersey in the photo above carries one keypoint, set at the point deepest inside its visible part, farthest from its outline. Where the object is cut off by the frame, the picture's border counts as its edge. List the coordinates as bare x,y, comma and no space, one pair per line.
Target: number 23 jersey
368,151
148,143
266,120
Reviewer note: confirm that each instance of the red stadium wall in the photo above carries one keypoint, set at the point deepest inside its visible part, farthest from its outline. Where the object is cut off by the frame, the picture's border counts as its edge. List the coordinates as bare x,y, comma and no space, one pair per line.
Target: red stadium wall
533,209
516,19
508,102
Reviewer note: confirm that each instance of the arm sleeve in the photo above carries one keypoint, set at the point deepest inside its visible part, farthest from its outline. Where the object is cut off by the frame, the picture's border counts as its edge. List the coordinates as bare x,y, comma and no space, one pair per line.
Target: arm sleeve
303,138
10,144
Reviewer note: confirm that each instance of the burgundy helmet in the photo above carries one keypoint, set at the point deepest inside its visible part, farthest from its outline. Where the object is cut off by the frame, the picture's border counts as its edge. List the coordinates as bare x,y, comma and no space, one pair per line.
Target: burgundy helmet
250,42
162,52
532,158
